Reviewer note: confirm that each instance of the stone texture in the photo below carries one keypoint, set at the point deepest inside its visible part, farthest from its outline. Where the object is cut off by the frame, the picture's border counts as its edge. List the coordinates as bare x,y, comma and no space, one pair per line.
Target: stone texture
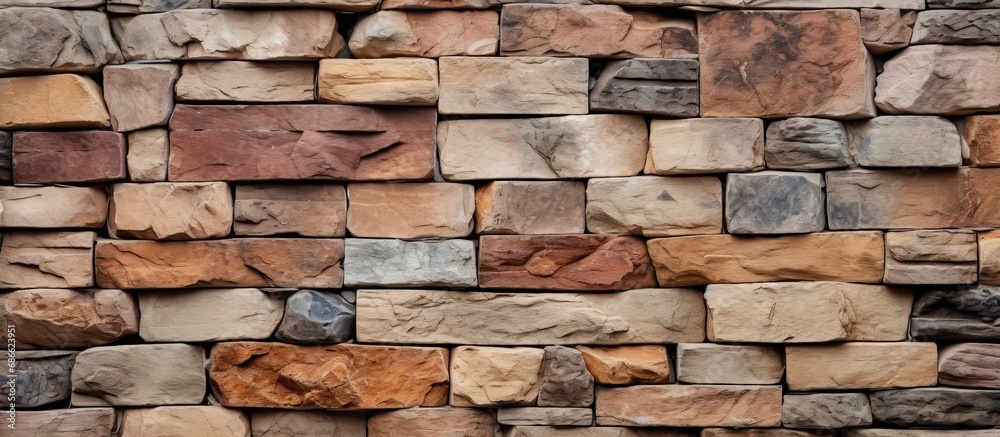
773,202
411,211
905,141
41,377
185,421
140,95
956,313
981,138
783,4
209,315
802,143
941,80
690,405
970,365
148,152
139,375
252,35
397,263
886,30
53,207
50,259
963,4
599,31
306,210
75,422
931,257
806,312
433,422
564,262
989,257
828,256
285,423
316,317
596,431
957,27
276,375
826,410
397,81
565,380
338,5
245,262
526,416
492,376
937,407
708,363
472,317
583,146
211,143
703,145
655,206
531,207
47,40
170,211
70,101
627,365
766,432
388,34
71,319
667,87
54,157
6,158
794,63
152,6
243,81
861,366
913,432
515,85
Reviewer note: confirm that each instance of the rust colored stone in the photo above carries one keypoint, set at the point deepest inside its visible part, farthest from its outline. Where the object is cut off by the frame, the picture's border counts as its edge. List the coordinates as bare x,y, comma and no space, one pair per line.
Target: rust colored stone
981,135
70,319
690,405
58,157
429,34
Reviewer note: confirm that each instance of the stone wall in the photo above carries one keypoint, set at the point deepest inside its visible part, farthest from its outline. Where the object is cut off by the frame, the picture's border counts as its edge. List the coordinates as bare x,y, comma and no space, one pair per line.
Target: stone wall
484,218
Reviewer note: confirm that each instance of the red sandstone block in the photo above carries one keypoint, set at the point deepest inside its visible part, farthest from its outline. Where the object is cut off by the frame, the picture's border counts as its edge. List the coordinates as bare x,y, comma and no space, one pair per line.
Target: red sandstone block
69,157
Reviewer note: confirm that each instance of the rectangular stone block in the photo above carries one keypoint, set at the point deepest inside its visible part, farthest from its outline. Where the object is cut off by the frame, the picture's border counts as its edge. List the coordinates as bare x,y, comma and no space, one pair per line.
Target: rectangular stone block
243,262
55,157
6,157
494,376
989,257
170,211
956,313
667,87
931,257
981,137
411,210
75,422
763,432
151,6
399,81
704,145
428,34
627,365
37,379
970,365
752,406
337,5
243,81
956,27
804,143
826,410
282,142
140,95
886,30
397,263
432,422
288,423
472,317
53,207
148,152
911,432
538,416
827,256
517,85
207,420
905,141
775,202
69,319
42,39
655,206
207,314
68,101
938,406
708,363
316,210
531,207
50,259
917,81
784,4
847,366
139,375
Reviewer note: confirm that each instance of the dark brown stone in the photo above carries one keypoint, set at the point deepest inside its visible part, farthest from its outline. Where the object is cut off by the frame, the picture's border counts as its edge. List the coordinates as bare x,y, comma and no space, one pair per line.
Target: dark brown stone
957,313
667,87
565,380
69,157
937,407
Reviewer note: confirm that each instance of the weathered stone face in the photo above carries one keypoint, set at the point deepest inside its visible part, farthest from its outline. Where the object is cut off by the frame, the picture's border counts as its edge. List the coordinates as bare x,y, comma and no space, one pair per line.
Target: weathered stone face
171,211
185,420
432,422
411,211
655,206
956,27
931,257
139,375
886,30
397,263
514,85
981,137
398,81
955,4
772,202
940,79
318,210
690,405
861,366
388,34
956,313
826,410
545,416
243,81
71,319
594,431
72,422
802,143
989,262
531,207
150,6
313,317
937,407
70,101
491,376
209,315
704,145
140,96
48,40
565,380
53,157
53,207
338,5
708,363
289,423
42,377
975,365
667,87
51,259
147,156
627,365
905,141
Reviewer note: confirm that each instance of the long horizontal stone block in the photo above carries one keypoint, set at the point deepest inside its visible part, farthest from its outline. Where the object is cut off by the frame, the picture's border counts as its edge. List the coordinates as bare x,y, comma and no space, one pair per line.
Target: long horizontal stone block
974,365
337,5
531,207
429,34
667,87
69,319
410,210
288,423
826,410
313,210
139,375
937,406
751,406
513,85
170,211
151,6
43,39
53,207
781,4
75,422
861,366
398,263
69,101
50,259
398,81
243,81
206,420
55,157
957,313
709,363
956,27
207,314
655,206
431,422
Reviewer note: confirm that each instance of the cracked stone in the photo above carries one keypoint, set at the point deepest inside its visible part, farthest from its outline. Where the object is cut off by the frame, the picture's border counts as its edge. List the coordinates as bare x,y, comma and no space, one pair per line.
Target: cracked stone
886,30
940,80
73,422
492,376
243,81
140,95
957,313
627,365
170,211
531,207
708,363
39,39
774,202
826,410
49,259
313,210
655,206
937,407
209,315
42,377
147,155
974,365
139,375
802,143
846,366
667,87
428,34
69,319
513,85
957,27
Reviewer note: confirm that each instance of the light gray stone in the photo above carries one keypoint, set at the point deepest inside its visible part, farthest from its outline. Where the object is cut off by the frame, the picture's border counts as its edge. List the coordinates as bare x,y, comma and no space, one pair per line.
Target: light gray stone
316,317
970,365
667,87
536,416
39,39
802,143
905,141
957,27
826,410
710,363
42,377
139,375
655,206
565,382
388,263
772,202
705,145
285,423
151,6
148,151
209,315
140,95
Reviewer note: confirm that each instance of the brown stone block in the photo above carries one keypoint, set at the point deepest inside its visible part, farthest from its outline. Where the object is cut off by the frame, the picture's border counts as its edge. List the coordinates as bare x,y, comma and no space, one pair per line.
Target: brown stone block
171,211
306,210
75,422
886,30
70,319
628,365
399,81
847,366
56,157
410,210
427,34
513,85
970,365
433,422
981,136
53,207
245,81
50,259
940,80
53,101
690,405
531,207
140,95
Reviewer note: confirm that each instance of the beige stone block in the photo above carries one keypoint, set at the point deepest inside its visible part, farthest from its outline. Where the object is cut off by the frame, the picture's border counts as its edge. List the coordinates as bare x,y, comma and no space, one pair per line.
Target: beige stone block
531,207
171,211
410,210
243,81
515,85
705,145
53,207
846,366
491,376
398,81
654,206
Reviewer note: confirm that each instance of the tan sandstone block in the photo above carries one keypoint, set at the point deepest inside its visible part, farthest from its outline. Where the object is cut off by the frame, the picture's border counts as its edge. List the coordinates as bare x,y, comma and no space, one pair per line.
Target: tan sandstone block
989,257
690,405
531,207
207,314
654,206
492,376
69,319
50,259
315,210
53,207
243,81
627,365
410,210
432,422
189,420
709,363
140,95
53,101
931,257
290,423
67,422
861,366
337,5
429,34
516,85
705,145
940,80
148,152
139,375
171,211
398,81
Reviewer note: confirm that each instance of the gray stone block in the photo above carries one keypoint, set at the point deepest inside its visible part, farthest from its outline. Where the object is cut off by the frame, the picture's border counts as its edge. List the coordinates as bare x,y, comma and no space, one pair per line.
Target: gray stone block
315,317
937,407
905,141
398,263
772,202
667,87
826,410
802,143
43,377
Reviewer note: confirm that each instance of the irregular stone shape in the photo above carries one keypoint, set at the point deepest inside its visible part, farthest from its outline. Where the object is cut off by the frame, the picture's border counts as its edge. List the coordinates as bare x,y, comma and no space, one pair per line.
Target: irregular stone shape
582,146
70,422
171,211
601,31
151,6
970,365
886,30
41,377
6,158
50,259
148,152
472,317
397,263
73,319
827,256
826,410
209,315
399,81
667,87
802,143
627,365
531,207
546,416
905,141
244,262
306,210
956,313
937,407
243,81
773,202
252,35
53,207
931,257
861,366
564,262
899,199
139,375
704,145
941,80
655,206
46,40
388,34
515,85
962,4
411,211
957,27
140,95
315,317
54,157
285,423
806,312
276,375
690,405
797,63
707,363
432,422
594,431
565,380
211,143
186,420
493,376
981,138
68,101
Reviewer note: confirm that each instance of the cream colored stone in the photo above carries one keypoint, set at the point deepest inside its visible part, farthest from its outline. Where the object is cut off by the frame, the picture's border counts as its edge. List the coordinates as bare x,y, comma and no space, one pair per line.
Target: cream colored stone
627,365
337,5
286,423
709,363
53,207
654,206
931,257
398,81
989,257
243,81
185,421
209,315
140,95
491,376
541,416
515,85
50,259
426,34
940,80
690,405
171,211
410,210
531,207
52,101
705,145
139,375
148,151
847,366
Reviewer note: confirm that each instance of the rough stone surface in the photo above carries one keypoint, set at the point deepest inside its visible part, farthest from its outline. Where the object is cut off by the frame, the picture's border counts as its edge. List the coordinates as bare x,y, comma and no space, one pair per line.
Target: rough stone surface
243,81
153,6
491,376
211,143
54,157
962,4
595,431
861,366
708,363
826,410
802,143
433,422
531,207
931,257
70,319
185,421
339,5
411,211
276,375
584,146
704,145
564,262
655,206
937,407
285,423
981,137
767,432
886,30
71,101
42,377
528,416
50,259
387,34
53,207
514,85
245,262
316,317
6,157
140,95
667,87
905,141
397,263
782,4
941,80
148,152
806,312
690,405
957,27
139,375
974,365
46,40
472,317
913,432
565,380
956,313
827,256
170,211
989,257
773,202
209,315
397,81
75,422
318,210
627,365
